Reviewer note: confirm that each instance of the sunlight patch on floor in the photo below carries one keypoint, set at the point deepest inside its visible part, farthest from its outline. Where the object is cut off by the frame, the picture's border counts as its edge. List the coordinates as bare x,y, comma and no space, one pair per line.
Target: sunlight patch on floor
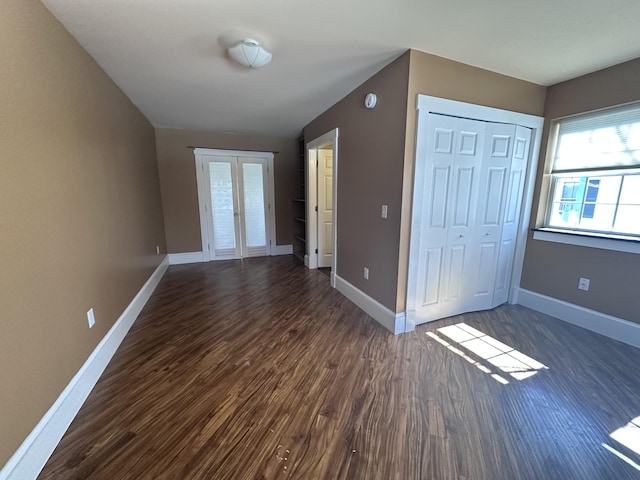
629,437
497,354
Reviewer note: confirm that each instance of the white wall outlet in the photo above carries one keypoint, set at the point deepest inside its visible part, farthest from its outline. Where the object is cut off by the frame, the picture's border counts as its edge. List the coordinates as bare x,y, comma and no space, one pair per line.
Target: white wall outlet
91,318
157,249
384,211
366,273
583,284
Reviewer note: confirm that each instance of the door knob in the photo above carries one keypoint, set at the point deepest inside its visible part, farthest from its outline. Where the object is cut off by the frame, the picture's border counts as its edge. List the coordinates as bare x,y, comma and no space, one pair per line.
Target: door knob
236,214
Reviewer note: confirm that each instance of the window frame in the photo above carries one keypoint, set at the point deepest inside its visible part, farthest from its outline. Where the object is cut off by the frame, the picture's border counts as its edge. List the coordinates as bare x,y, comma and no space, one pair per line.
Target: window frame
579,236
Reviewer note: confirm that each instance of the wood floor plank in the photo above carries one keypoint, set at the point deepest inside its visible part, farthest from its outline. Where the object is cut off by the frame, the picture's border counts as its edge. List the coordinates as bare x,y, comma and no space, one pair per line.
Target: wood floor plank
257,369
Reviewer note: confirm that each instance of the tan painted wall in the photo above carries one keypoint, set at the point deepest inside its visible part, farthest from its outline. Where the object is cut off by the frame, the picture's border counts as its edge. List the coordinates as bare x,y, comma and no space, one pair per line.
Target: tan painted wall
370,160
79,207
439,77
177,168
553,269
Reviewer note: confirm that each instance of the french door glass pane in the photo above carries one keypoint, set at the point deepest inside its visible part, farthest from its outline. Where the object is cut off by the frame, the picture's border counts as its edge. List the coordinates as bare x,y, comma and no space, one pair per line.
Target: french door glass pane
222,205
254,204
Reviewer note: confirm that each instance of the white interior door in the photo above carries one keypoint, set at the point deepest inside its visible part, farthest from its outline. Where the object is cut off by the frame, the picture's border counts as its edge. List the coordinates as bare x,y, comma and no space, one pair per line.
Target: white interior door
512,209
325,207
237,203
470,195
450,191
496,164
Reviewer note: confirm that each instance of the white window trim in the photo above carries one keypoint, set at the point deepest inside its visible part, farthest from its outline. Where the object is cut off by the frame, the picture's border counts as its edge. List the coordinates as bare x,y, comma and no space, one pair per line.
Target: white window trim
587,239
581,238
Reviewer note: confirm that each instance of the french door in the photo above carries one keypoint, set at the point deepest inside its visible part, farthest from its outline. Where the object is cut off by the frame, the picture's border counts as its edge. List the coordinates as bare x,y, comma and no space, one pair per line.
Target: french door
235,191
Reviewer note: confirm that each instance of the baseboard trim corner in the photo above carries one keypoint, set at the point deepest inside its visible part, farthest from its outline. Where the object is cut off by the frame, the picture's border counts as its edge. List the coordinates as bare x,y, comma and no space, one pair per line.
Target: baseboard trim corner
607,325
394,322
27,462
187,257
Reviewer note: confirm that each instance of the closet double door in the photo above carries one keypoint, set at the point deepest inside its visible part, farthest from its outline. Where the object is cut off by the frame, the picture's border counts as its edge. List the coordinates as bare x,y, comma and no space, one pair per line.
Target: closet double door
236,206
471,194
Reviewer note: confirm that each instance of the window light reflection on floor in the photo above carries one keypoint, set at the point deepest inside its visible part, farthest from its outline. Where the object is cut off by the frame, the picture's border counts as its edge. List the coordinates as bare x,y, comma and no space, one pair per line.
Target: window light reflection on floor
503,357
629,436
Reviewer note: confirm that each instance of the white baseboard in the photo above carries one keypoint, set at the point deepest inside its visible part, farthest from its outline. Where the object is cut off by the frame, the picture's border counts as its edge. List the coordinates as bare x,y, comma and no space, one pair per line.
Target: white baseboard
34,452
607,325
198,257
281,250
394,322
188,257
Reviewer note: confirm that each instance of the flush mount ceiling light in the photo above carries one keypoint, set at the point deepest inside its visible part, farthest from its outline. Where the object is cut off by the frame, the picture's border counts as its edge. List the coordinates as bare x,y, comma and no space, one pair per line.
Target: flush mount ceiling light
250,53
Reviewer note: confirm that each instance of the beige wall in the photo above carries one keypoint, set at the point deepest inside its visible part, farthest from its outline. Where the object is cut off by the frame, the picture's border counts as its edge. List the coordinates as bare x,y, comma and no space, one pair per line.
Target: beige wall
79,206
553,269
177,168
370,162
439,77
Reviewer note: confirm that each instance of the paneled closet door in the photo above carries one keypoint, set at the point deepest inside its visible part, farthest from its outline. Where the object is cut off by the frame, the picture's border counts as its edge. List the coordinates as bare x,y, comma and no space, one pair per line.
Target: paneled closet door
237,205
469,203
449,196
487,232
512,212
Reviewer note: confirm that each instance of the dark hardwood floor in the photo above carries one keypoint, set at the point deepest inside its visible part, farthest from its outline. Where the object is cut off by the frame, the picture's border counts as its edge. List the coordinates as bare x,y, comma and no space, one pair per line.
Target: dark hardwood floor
257,369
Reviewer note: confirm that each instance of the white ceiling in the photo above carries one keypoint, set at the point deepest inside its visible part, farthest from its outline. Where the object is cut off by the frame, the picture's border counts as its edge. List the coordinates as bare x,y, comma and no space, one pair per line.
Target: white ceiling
168,55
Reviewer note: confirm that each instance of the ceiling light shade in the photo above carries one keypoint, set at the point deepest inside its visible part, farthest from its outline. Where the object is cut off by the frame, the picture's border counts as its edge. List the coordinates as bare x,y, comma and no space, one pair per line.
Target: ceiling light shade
250,53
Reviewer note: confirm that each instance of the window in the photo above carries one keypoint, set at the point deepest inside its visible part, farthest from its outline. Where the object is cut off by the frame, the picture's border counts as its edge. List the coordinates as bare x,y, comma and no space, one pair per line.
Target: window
595,176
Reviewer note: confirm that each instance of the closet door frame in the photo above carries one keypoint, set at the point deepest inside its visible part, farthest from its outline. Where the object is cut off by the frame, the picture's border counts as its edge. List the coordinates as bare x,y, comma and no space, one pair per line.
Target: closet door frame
426,104
202,156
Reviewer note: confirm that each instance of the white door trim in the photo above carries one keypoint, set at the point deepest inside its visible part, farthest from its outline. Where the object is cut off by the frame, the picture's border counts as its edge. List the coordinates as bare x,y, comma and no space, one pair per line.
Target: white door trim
200,154
428,104
311,259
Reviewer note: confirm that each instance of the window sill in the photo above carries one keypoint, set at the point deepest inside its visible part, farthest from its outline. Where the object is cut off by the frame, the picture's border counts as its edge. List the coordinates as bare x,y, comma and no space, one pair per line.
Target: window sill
618,244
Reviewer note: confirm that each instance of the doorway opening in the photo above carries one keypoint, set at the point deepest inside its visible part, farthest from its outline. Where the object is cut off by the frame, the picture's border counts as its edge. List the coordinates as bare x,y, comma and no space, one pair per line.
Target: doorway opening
236,199
322,174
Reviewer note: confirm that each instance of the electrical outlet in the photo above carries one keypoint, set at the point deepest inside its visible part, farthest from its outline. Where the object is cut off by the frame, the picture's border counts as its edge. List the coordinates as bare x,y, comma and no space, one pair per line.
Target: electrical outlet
91,318
157,249
384,211
366,273
583,284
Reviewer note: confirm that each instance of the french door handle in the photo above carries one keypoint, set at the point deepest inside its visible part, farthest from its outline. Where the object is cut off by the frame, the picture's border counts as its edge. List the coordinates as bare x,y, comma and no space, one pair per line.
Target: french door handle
236,214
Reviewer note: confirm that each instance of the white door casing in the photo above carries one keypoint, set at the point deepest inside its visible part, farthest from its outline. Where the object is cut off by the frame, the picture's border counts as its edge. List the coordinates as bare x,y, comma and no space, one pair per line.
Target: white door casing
325,207
455,275
327,141
239,185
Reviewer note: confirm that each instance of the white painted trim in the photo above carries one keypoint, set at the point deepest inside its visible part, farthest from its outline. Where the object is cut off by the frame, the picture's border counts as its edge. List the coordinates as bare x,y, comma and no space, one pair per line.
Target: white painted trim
426,104
311,235
271,182
628,246
187,257
607,325
329,138
394,322
281,250
31,456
